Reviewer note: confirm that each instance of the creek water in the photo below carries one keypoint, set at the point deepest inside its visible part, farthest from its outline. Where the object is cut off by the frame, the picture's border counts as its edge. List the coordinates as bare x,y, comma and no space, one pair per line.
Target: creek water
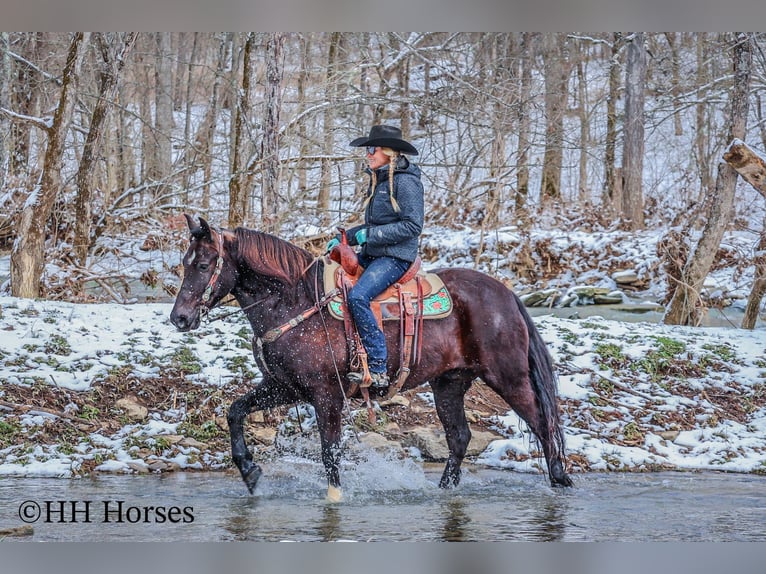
388,502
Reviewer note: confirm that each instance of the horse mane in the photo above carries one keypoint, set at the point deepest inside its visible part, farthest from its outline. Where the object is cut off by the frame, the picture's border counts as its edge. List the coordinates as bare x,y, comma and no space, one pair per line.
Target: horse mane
272,256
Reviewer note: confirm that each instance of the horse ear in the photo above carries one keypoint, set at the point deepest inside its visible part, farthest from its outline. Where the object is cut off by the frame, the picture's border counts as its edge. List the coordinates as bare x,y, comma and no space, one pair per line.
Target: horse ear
190,221
204,229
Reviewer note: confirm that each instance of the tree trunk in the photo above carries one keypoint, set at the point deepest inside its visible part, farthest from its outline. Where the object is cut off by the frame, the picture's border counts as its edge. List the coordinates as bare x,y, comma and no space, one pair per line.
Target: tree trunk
753,306
612,195
304,79
331,82
675,90
110,73
556,76
270,143
752,167
237,192
703,127
211,120
499,56
28,256
633,142
685,306
525,123
190,152
5,72
163,102
582,92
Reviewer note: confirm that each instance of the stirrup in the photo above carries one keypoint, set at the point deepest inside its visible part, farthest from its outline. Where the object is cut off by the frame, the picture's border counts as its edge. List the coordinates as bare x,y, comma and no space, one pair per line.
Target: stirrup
355,377
380,381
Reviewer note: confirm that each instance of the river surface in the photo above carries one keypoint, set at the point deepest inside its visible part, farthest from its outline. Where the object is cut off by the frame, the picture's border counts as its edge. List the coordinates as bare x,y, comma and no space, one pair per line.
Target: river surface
490,505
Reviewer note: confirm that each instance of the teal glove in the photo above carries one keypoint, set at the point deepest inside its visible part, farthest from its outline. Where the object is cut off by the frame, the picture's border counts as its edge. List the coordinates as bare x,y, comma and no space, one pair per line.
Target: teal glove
361,236
332,243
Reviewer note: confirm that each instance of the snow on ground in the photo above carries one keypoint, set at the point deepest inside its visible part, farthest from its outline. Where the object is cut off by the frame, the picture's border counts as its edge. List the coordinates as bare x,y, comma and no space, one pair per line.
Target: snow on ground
635,396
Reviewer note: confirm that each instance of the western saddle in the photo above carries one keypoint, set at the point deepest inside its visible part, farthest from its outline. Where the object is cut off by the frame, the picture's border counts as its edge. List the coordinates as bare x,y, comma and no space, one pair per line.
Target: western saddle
402,301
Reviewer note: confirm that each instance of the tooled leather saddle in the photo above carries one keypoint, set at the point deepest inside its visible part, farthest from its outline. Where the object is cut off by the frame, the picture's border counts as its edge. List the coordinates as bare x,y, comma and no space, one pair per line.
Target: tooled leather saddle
416,296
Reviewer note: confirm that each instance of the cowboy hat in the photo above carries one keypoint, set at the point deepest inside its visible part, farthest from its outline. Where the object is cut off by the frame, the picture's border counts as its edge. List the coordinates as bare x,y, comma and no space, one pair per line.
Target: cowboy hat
385,136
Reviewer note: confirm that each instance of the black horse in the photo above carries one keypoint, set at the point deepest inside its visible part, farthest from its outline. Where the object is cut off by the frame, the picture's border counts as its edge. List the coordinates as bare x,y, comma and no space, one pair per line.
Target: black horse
489,335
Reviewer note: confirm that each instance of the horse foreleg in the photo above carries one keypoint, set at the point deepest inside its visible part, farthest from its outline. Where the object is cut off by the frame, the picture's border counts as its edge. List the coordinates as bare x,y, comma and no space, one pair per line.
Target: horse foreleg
328,413
449,392
265,396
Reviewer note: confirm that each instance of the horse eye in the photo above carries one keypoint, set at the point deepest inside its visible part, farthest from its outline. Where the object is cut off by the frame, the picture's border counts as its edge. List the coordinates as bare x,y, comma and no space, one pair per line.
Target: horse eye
203,266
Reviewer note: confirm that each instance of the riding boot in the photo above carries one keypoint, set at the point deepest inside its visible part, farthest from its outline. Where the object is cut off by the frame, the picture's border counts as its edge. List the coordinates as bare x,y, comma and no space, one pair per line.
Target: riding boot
379,380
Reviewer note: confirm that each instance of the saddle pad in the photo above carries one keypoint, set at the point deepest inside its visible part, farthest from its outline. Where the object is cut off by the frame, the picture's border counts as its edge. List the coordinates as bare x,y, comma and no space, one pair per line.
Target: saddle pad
436,305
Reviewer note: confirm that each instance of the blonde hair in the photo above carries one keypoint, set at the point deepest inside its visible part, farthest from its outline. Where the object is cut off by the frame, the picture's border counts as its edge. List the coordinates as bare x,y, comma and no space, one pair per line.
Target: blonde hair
394,157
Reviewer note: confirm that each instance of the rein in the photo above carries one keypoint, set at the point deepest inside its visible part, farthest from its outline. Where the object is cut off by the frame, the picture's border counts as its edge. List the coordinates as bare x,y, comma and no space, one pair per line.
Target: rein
275,333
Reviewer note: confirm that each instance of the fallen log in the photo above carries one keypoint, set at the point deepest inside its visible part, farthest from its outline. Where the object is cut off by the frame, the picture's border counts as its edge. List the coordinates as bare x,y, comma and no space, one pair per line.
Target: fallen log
748,163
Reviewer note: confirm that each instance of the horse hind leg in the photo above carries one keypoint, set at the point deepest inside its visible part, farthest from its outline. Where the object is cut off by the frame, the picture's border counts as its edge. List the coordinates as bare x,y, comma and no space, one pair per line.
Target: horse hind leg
520,396
449,393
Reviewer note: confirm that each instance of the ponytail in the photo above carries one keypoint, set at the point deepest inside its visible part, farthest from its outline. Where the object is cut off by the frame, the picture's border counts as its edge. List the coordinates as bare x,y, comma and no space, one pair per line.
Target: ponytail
394,158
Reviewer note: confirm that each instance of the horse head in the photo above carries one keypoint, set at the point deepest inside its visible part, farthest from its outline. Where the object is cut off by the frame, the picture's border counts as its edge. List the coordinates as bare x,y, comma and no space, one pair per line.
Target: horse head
208,277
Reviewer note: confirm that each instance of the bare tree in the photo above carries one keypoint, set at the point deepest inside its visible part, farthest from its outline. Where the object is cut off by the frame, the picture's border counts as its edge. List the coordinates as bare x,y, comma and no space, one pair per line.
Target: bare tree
238,196
331,79
163,109
207,133
5,79
556,77
270,142
633,141
612,196
28,256
685,307
111,67
525,122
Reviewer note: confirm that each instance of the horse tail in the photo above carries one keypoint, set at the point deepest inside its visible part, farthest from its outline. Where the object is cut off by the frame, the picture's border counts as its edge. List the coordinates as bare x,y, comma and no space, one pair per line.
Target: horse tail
544,384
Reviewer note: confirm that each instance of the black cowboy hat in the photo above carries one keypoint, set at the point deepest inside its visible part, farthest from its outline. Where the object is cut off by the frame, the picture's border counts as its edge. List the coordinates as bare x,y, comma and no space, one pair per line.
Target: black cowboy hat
385,136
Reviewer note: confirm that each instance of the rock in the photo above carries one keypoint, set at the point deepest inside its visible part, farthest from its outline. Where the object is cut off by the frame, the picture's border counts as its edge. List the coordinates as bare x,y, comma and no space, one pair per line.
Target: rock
611,298
265,435
669,435
396,400
392,429
133,409
544,298
626,277
596,295
170,438
255,417
189,442
430,441
480,441
157,465
138,466
378,443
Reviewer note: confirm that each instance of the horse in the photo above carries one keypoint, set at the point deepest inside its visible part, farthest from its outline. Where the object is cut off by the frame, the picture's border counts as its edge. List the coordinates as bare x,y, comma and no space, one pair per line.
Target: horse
489,336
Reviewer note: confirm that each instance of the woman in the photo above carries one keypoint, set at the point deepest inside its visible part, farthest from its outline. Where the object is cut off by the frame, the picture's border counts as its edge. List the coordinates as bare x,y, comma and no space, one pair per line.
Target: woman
393,221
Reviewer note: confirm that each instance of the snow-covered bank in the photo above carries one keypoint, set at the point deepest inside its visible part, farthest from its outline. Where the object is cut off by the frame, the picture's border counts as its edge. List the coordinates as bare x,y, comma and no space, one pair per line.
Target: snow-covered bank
635,396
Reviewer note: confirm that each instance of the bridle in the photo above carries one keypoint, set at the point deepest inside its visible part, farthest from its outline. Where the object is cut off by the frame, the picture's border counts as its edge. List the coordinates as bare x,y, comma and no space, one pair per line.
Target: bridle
214,277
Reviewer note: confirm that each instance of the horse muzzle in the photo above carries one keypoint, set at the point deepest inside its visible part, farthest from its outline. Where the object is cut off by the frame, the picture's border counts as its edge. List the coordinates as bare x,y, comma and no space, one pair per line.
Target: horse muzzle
185,321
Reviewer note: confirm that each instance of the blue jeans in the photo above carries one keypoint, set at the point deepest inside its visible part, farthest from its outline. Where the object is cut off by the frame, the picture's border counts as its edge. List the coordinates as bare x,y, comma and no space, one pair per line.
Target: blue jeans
379,274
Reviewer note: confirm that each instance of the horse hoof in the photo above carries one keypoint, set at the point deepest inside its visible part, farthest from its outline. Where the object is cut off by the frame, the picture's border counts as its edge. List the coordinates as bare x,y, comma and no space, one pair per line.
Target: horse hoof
251,478
334,494
564,481
558,476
